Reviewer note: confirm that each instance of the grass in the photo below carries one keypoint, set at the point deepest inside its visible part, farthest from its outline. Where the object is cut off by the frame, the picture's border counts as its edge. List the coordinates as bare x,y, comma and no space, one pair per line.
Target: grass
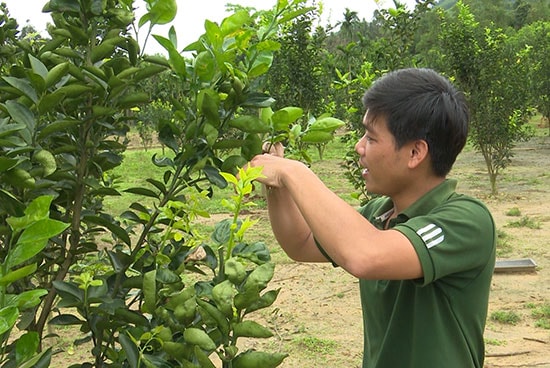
525,221
504,246
514,211
315,346
136,166
495,342
541,314
506,317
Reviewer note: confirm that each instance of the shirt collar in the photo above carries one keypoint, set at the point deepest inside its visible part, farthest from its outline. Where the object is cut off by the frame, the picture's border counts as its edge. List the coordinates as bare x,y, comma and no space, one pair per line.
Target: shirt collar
423,205
431,199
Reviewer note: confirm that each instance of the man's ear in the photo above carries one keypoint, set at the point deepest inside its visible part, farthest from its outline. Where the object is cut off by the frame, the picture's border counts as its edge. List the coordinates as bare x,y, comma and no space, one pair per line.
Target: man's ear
419,152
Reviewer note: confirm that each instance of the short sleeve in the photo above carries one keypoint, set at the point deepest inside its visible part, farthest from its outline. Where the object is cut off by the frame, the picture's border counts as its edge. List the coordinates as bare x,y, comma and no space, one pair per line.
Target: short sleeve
455,240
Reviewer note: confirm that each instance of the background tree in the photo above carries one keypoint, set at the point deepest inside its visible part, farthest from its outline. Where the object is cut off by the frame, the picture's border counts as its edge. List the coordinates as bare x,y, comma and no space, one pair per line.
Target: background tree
493,74
537,37
395,46
295,76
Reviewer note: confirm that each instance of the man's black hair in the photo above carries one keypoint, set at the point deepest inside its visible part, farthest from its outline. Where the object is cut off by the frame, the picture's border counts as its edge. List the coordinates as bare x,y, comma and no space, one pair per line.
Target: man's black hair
421,104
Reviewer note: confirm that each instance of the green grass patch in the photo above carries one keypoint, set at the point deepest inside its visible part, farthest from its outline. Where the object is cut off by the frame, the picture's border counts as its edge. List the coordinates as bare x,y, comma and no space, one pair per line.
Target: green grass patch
315,346
514,211
495,342
541,314
506,317
504,247
525,221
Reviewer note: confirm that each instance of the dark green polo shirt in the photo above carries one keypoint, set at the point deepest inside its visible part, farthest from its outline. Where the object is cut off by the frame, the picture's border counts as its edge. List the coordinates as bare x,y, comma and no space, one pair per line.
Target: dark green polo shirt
439,320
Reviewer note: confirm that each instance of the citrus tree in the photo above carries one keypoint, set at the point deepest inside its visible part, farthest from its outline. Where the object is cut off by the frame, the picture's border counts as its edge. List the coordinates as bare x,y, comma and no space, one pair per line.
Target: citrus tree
65,109
494,75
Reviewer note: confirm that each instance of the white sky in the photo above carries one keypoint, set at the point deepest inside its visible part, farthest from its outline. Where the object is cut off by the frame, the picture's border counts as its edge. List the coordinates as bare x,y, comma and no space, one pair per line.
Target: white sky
189,22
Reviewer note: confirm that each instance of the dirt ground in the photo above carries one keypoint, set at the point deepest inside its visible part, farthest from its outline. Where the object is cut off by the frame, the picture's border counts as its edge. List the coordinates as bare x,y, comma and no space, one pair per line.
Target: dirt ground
317,316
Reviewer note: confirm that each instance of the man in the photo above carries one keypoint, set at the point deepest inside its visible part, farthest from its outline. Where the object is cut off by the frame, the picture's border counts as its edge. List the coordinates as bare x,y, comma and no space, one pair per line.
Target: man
423,253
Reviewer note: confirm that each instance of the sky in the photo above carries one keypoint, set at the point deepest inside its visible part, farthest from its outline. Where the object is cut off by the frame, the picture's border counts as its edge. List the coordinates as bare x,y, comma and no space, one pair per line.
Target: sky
189,22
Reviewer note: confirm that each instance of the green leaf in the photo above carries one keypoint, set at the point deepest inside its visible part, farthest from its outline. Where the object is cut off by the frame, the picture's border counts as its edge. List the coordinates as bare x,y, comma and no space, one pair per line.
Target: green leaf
26,346
261,64
327,124
41,360
198,337
234,22
246,298
213,33
317,136
97,293
68,289
167,276
102,51
17,274
96,7
65,320
208,103
23,86
133,100
249,124
252,146
131,316
214,176
130,348
142,191
251,329
228,144
38,67
57,127
268,45
38,209
222,231
203,359
205,65
175,59
64,6
262,359
73,90
266,300
295,13
49,101
8,317
119,260
109,224
260,276
284,117
255,99
162,12
9,129
149,291
232,163
256,252
56,73
216,314
223,294
10,204
29,299
33,239
21,114
8,163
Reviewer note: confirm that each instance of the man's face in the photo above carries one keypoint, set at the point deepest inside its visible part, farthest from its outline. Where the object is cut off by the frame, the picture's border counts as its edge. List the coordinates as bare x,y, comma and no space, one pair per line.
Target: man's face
384,166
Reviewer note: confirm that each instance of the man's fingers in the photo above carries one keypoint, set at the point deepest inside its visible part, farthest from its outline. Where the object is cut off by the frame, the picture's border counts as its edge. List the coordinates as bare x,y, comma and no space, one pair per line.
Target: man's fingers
275,149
